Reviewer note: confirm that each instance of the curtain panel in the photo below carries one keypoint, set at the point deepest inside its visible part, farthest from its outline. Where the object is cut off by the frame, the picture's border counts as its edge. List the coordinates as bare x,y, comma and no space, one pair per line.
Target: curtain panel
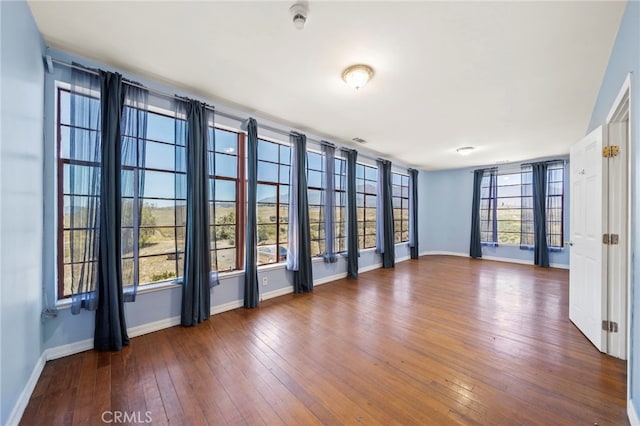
539,180
83,245
413,213
329,151
198,277
351,157
110,328
299,241
385,234
251,287
475,249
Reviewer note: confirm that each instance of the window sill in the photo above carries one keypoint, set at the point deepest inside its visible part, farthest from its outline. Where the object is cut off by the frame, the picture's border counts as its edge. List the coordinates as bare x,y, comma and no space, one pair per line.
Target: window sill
150,288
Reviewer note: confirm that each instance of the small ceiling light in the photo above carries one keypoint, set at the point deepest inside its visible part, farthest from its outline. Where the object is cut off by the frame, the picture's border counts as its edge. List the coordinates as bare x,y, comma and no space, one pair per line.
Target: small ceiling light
465,150
357,76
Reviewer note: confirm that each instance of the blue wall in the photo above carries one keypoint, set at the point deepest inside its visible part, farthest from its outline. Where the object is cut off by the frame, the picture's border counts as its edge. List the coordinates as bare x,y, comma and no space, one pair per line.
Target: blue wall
21,226
161,305
625,58
448,219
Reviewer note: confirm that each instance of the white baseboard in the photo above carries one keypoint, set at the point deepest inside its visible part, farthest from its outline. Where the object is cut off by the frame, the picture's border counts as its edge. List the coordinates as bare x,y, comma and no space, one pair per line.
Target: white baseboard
370,267
276,293
229,306
25,395
329,279
523,261
153,326
634,420
495,258
68,349
444,253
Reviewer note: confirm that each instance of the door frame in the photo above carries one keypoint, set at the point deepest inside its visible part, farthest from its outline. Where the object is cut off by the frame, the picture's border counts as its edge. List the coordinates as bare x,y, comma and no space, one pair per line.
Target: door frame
620,108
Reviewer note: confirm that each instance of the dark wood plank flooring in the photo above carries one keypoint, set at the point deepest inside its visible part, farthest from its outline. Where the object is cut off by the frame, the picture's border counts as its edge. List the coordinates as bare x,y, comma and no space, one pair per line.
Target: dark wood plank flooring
442,340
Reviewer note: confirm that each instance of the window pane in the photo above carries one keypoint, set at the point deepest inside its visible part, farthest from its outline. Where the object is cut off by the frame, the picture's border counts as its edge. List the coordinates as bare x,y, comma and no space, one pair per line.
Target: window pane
157,214
266,193
226,259
315,196
285,154
267,172
157,268
314,161
225,190
315,179
226,141
79,144
80,211
160,128
225,165
159,184
267,234
285,174
81,180
267,213
160,156
225,213
267,151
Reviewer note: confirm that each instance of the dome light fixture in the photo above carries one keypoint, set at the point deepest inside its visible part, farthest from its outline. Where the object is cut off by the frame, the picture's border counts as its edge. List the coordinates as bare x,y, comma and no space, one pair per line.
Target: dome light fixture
357,76
465,150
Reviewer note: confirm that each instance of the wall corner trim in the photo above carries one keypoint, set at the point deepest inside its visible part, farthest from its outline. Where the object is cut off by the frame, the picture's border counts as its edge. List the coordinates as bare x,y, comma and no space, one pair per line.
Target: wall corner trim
631,413
25,395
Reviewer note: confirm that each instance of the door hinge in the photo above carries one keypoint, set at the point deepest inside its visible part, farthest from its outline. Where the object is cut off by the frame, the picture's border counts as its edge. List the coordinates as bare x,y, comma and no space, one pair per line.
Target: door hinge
610,239
610,326
610,151
605,238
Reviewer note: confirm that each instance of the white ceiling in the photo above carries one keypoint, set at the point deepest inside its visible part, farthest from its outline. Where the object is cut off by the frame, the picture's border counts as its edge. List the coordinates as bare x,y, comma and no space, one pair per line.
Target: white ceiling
517,80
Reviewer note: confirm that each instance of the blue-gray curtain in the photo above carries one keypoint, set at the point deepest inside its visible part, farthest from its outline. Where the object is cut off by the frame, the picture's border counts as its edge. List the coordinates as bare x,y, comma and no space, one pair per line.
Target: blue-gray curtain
197,282
475,249
110,328
329,151
413,213
386,247
299,232
84,113
251,290
351,157
134,144
539,178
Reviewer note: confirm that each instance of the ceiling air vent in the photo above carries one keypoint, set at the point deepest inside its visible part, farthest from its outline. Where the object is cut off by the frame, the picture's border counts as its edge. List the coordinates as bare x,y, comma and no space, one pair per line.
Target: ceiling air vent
359,140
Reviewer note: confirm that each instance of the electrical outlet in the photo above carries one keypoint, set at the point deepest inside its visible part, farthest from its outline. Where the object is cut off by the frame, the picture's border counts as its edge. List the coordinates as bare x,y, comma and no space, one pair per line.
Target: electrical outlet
265,280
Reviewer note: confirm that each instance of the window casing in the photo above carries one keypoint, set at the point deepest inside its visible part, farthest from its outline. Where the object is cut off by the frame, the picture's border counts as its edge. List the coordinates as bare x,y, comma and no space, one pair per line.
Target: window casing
225,147
154,206
506,207
315,191
340,187
400,199
274,169
366,196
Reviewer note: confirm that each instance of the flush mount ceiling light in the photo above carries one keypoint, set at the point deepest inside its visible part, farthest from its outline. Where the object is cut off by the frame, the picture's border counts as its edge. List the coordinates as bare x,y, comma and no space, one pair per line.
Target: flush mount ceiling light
357,76
465,150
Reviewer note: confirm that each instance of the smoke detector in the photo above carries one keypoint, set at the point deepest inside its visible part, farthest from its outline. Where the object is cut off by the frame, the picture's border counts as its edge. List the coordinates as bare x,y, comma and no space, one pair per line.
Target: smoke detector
299,13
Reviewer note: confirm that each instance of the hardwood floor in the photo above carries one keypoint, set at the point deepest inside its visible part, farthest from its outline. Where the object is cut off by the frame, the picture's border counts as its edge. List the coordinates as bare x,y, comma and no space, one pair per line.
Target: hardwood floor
443,340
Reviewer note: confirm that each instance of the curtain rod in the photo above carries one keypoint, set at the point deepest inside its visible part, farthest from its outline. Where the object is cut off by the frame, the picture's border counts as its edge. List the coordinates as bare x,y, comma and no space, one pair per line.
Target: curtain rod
514,166
217,111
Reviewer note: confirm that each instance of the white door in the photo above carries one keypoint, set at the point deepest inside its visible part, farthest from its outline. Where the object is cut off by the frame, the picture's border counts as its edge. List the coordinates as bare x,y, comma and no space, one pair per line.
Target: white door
588,268
617,253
